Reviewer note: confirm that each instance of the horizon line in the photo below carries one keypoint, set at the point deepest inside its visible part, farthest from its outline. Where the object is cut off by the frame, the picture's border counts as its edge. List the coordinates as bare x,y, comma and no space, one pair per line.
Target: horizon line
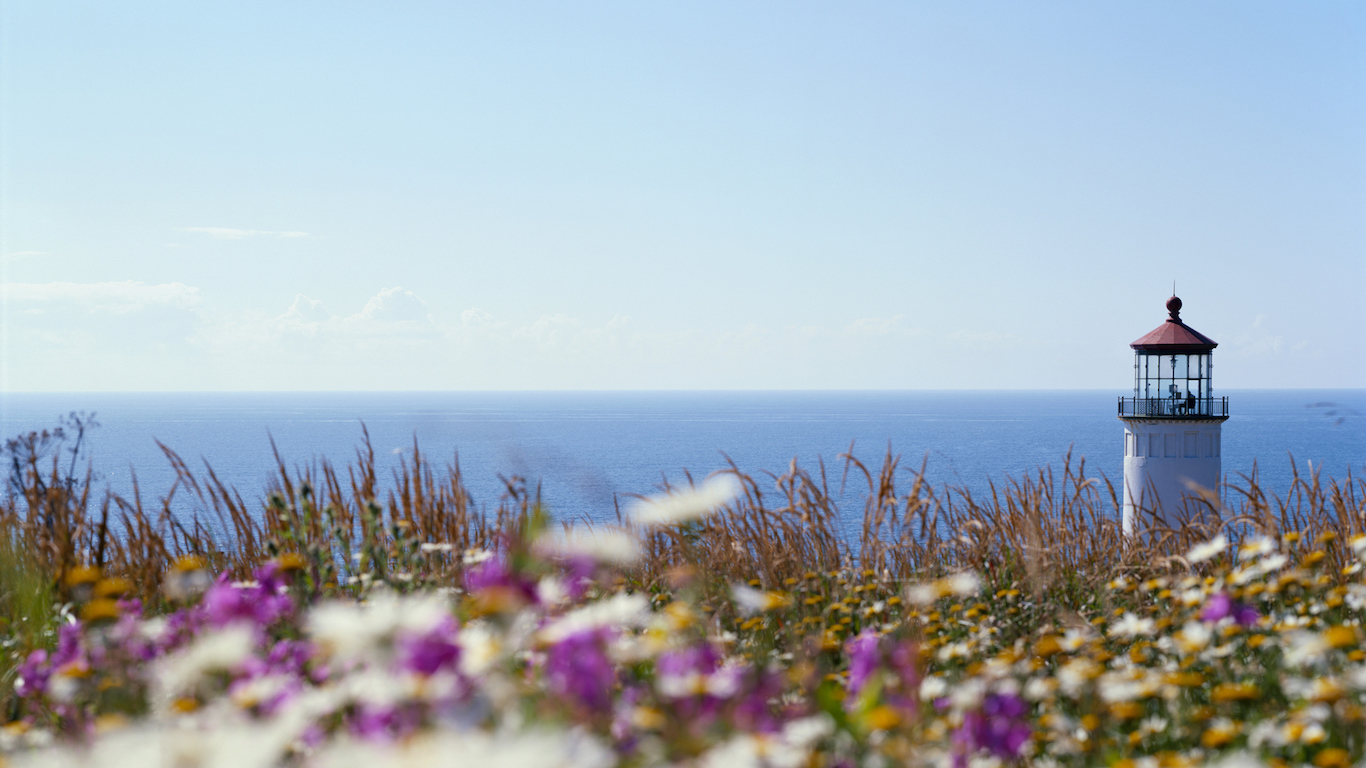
717,390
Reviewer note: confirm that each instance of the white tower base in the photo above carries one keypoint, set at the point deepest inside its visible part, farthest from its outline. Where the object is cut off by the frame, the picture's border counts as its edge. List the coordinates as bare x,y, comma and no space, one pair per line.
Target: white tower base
1167,462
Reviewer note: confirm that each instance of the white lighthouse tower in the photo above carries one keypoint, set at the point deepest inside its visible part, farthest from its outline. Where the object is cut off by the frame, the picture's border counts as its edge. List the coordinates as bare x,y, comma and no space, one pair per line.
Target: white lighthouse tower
1172,426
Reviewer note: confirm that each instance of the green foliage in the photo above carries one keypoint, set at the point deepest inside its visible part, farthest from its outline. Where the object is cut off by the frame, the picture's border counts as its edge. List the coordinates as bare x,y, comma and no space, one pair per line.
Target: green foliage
28,610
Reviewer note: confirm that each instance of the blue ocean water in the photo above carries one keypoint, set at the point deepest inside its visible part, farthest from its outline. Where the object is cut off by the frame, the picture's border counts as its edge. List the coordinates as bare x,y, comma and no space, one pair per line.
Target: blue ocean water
587,449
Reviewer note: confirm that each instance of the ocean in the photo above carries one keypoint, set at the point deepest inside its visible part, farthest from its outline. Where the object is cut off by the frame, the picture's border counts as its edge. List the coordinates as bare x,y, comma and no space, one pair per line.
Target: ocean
589,449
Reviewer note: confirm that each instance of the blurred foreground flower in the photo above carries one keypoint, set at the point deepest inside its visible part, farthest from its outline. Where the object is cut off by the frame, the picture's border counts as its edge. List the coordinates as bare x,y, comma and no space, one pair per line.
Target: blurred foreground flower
1202,552
1220,605
601,545
962,584
751,601
689,504
1000,727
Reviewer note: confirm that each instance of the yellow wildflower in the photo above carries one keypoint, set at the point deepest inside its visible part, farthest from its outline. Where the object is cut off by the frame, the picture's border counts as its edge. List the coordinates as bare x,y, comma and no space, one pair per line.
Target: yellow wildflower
102,609
1333,757
883,718
82,575
113,587
1340,637
291,561
1225,692
1219,733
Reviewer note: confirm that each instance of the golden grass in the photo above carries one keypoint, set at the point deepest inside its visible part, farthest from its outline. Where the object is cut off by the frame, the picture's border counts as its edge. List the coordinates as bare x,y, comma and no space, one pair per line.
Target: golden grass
1048,532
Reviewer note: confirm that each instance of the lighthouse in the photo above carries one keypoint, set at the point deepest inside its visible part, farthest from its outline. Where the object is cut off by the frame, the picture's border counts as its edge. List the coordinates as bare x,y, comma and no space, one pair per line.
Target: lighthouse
1172,426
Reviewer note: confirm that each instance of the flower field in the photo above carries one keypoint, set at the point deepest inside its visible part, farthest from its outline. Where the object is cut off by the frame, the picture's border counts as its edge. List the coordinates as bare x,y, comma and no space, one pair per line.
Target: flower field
711,627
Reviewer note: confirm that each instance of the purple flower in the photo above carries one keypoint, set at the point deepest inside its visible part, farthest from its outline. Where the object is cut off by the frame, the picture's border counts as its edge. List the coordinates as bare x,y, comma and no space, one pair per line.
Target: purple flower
272,698
1000,727
262,603
379,723
701,659
289,656
1220,605
863,659
68,645
33,675
678,674
753,711
1217,607
1246,615
495,574
286,657
429,652
623,719
903,690
579,576
578,669
181,627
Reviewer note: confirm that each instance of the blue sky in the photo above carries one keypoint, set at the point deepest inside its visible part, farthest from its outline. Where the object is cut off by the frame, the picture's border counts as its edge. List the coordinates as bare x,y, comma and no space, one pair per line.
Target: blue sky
669,195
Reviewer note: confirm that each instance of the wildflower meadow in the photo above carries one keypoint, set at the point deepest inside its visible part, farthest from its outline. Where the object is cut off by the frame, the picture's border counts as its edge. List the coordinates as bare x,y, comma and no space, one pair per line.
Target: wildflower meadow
728,621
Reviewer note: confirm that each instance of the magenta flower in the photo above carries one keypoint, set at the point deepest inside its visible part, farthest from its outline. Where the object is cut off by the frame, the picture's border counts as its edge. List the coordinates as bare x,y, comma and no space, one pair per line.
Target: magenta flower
181,627
753,708
690,677
1217,607
623,719
31,682
384,723
432,651
1001,727
1220,605
1246,615
902,691
863,659
277,695
700,659
68,645
578,669
579,576
286,657
125,639
493,574
263,603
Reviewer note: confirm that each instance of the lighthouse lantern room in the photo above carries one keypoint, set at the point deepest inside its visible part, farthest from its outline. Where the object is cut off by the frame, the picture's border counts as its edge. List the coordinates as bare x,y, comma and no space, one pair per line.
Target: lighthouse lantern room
1172,426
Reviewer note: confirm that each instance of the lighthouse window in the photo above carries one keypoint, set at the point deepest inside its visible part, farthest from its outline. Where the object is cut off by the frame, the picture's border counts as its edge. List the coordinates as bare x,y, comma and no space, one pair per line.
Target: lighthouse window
1170,446
1190,445
1154,445
1172,384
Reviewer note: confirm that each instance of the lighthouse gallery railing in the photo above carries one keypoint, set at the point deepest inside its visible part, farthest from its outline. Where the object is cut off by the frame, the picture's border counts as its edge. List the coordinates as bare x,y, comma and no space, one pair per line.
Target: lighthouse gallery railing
1174,408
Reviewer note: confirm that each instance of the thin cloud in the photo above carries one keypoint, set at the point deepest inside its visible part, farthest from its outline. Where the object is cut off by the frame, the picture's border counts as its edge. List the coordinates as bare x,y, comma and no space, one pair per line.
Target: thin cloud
228,233
122,296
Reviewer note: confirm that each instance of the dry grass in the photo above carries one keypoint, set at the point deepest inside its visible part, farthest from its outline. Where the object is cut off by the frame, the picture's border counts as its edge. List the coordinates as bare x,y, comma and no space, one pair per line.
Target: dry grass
1055,533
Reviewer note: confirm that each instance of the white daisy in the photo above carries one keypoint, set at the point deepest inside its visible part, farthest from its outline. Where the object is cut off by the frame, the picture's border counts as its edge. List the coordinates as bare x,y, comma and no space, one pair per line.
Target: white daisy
1202,552
688,504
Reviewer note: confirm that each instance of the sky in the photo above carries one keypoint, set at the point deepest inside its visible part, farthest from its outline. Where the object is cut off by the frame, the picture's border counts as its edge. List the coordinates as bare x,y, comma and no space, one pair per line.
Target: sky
665,195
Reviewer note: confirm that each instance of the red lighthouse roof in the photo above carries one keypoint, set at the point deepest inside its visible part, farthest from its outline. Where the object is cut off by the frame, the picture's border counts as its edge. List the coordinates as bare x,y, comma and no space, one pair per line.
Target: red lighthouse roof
1174,336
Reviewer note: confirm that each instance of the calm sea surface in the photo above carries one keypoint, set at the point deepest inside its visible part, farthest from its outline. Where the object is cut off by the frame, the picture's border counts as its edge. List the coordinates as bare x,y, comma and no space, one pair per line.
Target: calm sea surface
587,448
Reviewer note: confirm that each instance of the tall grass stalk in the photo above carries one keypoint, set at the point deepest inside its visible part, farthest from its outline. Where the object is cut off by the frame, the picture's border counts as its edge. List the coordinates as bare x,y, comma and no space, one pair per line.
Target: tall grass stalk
1049,532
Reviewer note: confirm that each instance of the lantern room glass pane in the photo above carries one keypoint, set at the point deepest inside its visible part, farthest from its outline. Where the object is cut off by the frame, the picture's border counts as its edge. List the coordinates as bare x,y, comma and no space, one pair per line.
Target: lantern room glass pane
1173,384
